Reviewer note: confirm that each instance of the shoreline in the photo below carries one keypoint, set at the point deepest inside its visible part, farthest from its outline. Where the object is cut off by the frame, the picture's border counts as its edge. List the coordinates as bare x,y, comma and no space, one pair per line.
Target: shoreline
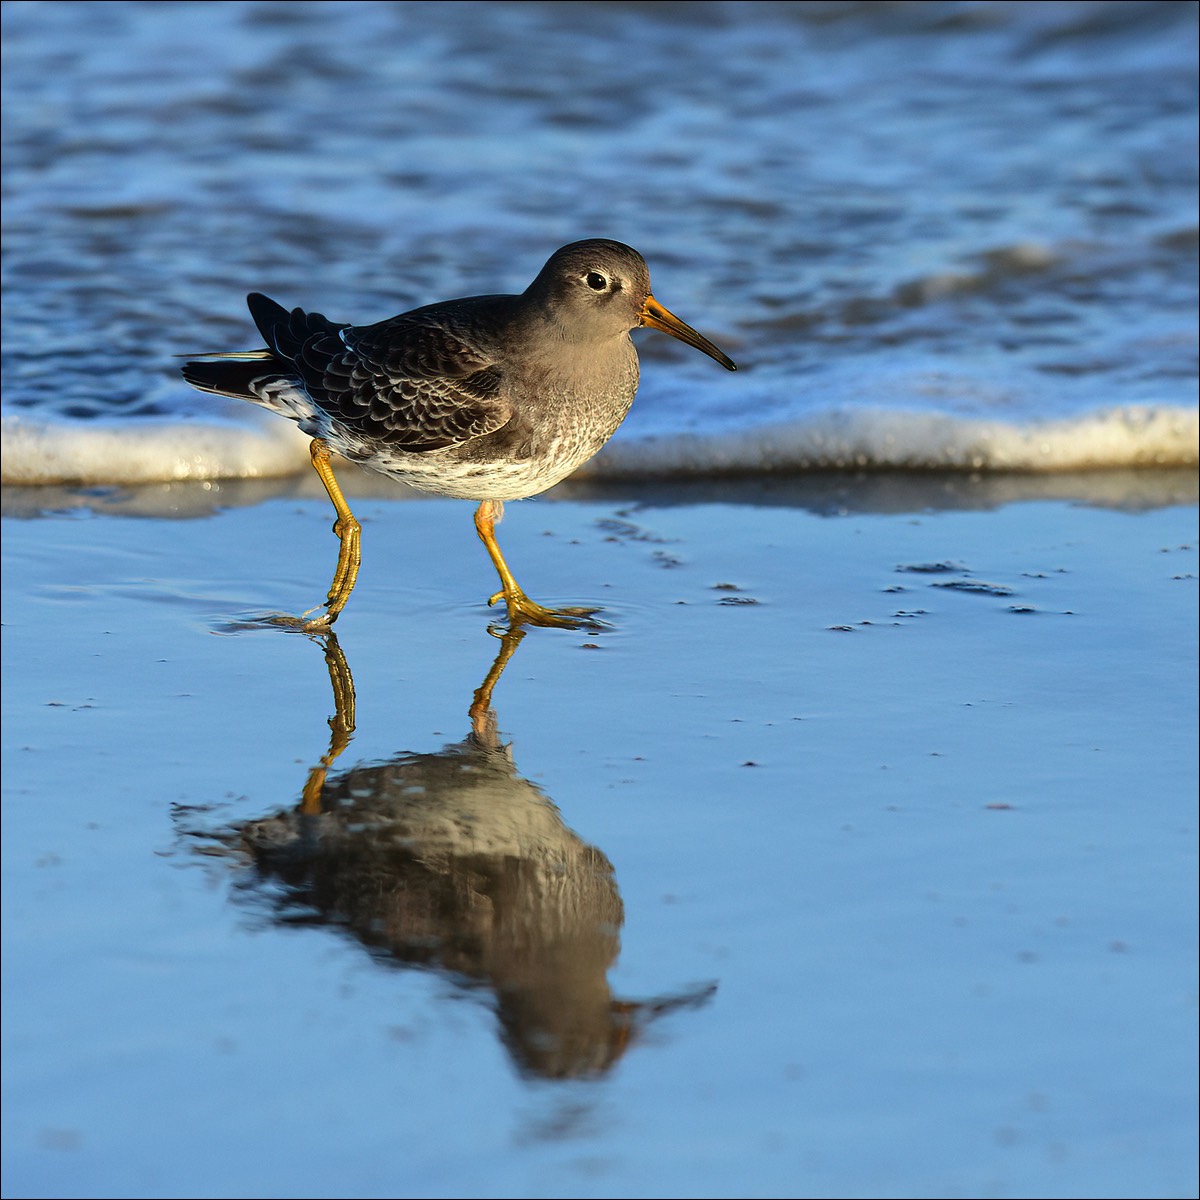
856,817
866,491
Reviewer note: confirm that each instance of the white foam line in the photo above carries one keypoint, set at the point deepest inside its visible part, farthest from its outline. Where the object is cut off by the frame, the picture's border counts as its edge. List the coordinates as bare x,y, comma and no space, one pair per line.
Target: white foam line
152,451
1117,437
146,451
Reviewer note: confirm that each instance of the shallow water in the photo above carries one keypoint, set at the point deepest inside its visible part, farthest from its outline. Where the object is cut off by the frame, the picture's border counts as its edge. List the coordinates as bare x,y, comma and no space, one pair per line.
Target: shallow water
857,858
811,877
931,234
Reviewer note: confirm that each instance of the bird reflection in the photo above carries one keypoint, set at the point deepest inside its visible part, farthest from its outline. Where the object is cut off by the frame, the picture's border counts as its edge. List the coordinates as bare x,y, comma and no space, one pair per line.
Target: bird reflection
455,861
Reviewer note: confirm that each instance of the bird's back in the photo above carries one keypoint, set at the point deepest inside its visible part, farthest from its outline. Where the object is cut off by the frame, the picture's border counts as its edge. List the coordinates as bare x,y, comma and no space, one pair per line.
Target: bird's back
475,398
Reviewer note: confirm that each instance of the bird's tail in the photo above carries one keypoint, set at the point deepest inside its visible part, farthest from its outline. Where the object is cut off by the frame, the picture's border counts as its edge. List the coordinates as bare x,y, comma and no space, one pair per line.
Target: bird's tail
233,373
285,333
230,374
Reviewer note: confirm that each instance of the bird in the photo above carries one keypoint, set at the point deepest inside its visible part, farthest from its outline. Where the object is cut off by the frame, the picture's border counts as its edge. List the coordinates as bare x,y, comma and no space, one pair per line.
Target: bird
486,398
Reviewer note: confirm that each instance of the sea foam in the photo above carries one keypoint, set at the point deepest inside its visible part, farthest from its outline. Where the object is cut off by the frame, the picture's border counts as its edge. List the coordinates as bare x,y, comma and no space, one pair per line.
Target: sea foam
37,450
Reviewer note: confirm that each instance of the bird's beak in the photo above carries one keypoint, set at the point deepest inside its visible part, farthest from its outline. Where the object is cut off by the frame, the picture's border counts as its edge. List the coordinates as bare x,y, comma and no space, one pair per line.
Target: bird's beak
656,317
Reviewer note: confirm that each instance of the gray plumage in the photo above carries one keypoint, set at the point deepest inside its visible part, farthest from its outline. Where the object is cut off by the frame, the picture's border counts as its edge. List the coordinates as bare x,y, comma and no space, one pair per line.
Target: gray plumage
488,397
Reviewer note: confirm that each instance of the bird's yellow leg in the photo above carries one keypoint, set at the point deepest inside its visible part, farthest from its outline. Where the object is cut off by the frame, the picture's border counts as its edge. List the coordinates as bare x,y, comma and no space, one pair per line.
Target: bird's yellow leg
341,724
349,533
521,610
483,717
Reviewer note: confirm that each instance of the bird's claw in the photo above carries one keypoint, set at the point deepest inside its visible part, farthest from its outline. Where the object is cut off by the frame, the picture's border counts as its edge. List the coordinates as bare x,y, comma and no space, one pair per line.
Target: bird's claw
523,611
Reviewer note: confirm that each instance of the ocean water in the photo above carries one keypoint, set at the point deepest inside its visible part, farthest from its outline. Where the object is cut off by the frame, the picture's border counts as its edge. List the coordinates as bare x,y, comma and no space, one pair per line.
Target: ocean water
871,821
933,235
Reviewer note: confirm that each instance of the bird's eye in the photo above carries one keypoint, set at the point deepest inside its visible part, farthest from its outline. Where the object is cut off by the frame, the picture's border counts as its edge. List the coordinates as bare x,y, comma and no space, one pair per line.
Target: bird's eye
596,281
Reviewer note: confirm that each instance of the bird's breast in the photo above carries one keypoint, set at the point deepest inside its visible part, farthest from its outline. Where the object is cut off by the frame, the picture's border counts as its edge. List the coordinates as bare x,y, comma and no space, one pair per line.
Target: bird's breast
564,409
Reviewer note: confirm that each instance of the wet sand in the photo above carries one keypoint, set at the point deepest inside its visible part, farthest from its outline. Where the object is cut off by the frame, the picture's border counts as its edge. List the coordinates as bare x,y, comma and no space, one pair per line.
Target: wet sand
857,857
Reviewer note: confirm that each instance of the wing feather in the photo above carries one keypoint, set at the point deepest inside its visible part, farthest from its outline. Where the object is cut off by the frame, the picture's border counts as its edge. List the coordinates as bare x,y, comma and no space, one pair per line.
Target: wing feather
417,382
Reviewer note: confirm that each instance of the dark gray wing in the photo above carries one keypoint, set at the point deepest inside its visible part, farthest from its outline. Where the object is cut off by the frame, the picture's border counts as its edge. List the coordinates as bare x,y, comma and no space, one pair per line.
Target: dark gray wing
420,381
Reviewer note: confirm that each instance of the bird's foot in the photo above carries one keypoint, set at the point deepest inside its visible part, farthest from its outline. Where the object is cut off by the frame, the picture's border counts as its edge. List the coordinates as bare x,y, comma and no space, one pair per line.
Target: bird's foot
523,611
306,622
320,626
